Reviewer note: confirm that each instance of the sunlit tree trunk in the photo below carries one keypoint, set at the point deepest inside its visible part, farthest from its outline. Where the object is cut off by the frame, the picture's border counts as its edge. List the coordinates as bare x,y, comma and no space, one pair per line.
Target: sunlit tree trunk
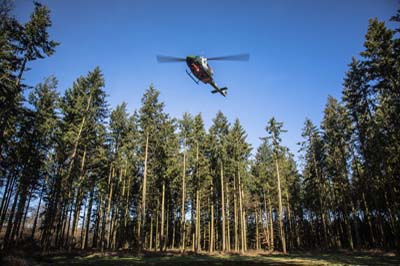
87,223
271,224
151,233
228,229
144,186
198,211
183,224
162,237
211,247
257,232
281,230
236,234
223,208
241,214
156,236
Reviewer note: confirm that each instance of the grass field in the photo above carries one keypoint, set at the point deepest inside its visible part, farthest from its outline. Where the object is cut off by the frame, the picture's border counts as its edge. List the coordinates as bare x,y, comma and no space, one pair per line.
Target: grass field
175,259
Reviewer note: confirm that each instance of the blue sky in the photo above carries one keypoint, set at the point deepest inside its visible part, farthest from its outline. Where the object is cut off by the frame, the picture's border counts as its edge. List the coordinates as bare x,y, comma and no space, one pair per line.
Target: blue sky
299,51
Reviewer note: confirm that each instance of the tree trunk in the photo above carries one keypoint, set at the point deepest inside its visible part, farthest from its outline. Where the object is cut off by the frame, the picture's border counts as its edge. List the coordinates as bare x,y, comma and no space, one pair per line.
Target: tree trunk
10,222
235,214
367,215
21,233
87,223
166,241
198,210
67,226
108,210
266,229
197,246
156,240
151,232
173,232
281,231
242,234
78,197
257,233
290,237
228,230
355,223
346,215
21,71
245,229
143,216
37,215
271,224
183,227
211,247
83,224
223,208
6,200
162,217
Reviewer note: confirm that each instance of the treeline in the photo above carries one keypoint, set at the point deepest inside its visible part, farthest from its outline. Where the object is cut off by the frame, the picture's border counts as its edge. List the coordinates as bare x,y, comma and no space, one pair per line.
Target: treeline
77,175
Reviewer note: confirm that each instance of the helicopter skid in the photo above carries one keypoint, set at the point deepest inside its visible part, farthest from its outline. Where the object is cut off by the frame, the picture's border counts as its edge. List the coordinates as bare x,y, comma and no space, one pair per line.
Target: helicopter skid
190,75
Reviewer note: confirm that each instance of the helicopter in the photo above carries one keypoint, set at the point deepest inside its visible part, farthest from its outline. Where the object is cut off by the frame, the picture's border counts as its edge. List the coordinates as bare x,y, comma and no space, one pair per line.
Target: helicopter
200,68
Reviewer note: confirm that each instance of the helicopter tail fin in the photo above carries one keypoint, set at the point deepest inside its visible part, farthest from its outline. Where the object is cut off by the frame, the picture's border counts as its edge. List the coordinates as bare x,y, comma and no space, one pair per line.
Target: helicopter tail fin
223,91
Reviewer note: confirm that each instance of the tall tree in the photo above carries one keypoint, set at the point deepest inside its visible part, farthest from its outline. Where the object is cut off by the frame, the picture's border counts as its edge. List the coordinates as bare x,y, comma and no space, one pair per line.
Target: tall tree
274,130
239,151
315,177
218,134
336,137
200,173
151,117
186,128
20,44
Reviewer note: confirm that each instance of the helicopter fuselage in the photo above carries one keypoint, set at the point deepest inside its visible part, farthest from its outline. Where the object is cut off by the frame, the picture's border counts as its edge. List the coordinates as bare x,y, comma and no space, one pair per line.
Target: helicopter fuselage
202,71
200,68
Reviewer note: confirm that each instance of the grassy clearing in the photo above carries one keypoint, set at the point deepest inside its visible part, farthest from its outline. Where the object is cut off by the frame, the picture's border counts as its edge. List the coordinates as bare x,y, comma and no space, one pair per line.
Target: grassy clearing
306,258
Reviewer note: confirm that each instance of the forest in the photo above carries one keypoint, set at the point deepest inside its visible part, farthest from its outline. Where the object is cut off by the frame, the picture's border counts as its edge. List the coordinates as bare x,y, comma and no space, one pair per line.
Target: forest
78,175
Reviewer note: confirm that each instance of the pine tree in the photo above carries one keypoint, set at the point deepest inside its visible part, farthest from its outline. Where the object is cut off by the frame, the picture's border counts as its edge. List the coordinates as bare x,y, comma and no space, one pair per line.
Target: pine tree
218,134
36,139
18,45
336,137
199,173
238,152
151,117
315,180
263,171
274,129
186,128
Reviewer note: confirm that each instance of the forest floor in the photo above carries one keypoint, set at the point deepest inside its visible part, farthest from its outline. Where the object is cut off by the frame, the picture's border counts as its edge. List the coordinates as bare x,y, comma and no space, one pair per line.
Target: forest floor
175,259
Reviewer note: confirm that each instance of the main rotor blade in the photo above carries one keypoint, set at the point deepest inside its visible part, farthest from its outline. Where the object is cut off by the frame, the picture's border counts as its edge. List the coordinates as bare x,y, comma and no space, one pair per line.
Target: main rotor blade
237,57
169,59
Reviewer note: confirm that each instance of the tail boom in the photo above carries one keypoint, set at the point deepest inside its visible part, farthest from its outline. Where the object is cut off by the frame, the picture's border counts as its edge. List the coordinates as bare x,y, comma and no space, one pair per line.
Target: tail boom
223,91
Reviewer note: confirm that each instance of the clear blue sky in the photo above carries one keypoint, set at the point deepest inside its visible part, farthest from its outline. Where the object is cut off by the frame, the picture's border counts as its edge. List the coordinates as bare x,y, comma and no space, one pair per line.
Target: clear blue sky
299,51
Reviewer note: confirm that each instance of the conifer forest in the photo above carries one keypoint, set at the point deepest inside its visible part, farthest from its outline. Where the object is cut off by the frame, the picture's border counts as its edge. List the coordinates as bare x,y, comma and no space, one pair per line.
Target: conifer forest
76,174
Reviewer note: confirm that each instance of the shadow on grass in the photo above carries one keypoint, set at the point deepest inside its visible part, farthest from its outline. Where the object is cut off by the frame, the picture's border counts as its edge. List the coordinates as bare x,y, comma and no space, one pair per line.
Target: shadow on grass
172,258
347,258
169,260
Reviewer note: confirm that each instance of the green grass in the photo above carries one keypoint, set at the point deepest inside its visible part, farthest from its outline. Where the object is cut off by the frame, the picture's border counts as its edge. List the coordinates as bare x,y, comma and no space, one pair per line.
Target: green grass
217,259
